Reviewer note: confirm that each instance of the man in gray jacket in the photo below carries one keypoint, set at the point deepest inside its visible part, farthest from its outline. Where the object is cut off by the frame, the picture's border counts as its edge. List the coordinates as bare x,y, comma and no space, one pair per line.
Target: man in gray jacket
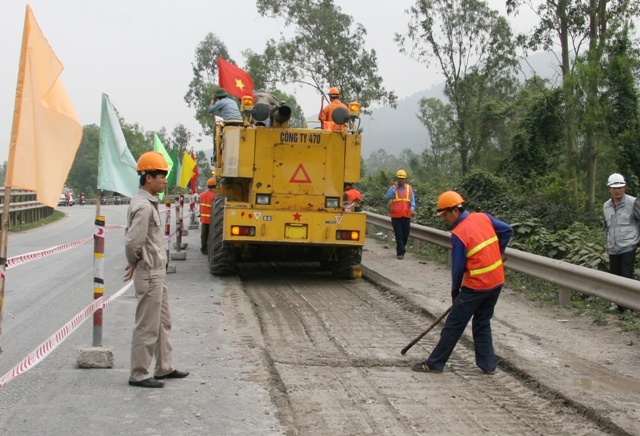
146,258
621,217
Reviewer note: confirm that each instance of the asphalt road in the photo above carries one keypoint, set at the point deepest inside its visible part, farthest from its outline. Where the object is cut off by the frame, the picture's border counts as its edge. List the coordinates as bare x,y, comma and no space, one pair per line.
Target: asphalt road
56,397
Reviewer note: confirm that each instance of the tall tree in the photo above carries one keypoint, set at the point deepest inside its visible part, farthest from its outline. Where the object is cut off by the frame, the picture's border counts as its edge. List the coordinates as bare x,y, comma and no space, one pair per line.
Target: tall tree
621,99
205,78
327,49
475,51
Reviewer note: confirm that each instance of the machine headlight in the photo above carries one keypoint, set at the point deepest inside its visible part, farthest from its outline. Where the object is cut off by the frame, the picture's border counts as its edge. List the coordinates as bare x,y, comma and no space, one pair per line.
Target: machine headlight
332,202
263,199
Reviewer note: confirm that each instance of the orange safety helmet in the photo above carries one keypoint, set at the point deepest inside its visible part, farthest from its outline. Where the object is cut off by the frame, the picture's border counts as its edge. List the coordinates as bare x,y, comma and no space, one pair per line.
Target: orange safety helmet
334,91
447,200
151,161
211,182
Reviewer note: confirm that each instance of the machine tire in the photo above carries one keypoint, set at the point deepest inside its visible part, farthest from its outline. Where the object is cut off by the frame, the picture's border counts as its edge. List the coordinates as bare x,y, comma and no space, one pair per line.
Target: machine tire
222,258
348,265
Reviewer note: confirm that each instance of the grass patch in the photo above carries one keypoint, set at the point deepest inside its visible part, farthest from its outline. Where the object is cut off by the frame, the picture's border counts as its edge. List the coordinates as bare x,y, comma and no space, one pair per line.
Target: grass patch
630,322
532,288
28,226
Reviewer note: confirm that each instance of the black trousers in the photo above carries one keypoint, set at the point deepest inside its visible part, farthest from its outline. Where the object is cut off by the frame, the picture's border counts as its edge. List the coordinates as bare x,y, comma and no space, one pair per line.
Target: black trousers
204,237
622,265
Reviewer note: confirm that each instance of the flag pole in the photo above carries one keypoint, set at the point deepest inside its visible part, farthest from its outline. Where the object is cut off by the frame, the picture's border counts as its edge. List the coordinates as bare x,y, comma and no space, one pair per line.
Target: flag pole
3,249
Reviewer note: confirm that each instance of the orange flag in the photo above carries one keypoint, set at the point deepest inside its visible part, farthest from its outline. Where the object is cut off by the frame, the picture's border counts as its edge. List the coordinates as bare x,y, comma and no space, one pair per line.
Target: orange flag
46,132
234,80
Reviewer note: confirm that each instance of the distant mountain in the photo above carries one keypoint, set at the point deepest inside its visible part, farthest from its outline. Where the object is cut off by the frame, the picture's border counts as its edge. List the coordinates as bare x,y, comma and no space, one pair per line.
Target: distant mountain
398,129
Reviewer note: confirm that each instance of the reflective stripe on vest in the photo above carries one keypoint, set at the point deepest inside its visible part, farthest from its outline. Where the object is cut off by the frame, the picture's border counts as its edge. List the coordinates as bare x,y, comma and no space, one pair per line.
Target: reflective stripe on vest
484,269
401,206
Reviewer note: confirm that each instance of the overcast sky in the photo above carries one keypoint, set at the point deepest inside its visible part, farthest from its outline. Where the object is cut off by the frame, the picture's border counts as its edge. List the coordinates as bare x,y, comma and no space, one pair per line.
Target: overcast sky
139,52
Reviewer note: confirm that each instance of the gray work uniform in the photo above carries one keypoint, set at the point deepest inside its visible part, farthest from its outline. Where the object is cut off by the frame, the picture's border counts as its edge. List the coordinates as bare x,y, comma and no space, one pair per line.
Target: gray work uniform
144,248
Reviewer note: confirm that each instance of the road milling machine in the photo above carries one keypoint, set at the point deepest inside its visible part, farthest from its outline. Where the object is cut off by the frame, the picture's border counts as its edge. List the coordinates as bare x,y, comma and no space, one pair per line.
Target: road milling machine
280,191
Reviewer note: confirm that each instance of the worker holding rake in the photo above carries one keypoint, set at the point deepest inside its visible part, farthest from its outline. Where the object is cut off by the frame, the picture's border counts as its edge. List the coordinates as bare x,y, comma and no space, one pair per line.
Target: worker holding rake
478,242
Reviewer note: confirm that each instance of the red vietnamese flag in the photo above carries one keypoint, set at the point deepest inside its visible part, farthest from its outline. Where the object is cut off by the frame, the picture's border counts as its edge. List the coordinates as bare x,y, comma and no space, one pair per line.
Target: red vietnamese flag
234,80
194,178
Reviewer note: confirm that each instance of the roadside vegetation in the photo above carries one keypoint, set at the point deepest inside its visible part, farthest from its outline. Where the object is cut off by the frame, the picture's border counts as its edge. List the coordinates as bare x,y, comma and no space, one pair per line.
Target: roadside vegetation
44,221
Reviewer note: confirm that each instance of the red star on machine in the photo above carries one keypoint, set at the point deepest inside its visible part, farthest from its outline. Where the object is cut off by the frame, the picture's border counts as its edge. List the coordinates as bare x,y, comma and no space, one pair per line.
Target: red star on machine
296,216
234,80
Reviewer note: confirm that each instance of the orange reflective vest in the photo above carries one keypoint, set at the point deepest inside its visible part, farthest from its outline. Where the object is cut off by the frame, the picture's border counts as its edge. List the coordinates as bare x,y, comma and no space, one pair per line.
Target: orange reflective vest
484,269
206,200
401,204
353,194
325,116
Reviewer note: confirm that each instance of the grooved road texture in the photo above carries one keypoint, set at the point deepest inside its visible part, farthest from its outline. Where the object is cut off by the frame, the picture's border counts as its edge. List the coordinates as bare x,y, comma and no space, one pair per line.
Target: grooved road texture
333,351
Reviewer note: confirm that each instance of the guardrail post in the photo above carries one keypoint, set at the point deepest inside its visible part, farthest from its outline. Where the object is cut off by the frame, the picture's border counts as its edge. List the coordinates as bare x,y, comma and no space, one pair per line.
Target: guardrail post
369,229
416,245
390,235
564,296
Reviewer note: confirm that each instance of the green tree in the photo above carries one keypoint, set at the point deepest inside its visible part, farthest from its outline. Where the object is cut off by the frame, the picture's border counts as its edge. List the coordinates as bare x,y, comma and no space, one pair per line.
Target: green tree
205,79
475,51
83,176
620,101
327,49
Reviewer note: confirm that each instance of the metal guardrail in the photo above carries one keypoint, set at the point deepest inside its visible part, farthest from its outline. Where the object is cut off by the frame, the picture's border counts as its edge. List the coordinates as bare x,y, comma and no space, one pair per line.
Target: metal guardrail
23,208
568,277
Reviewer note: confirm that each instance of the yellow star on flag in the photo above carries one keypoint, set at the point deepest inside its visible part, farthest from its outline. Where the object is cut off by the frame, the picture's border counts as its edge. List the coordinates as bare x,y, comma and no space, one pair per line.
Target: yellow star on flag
239,84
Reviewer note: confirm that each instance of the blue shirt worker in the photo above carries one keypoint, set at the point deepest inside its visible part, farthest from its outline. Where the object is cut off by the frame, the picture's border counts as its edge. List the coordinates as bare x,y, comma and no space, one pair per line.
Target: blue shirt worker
403,206
621,218
478,242
227,108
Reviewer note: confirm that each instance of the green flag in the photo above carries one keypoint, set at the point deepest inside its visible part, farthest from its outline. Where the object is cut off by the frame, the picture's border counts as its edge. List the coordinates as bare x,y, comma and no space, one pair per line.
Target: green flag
116,165
157,146
171,178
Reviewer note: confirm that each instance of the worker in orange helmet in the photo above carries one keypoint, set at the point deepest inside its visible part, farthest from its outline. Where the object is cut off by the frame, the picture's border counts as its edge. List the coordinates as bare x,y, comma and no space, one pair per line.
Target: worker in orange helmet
478,242
147,266
206,200
325,113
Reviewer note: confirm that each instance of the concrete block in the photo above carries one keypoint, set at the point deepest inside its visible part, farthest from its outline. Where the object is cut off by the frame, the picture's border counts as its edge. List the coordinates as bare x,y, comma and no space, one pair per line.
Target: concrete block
185,232
179,256
193,227
171,269
95,357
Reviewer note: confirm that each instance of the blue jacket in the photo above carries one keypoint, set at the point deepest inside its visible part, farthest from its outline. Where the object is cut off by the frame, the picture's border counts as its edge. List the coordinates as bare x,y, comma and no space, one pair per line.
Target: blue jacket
228,109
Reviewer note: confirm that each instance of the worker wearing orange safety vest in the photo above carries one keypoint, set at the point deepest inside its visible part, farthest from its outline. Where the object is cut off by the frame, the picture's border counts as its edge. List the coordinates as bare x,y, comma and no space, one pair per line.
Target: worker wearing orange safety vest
352,197
403,206
478,242
325,115
206,200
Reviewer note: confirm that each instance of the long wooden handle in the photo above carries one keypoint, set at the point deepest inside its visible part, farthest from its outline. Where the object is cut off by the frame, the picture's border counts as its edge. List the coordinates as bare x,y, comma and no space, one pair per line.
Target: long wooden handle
433,324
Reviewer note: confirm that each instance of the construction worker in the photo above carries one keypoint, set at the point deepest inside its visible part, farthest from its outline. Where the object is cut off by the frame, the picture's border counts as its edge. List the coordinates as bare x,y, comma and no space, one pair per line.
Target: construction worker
206,200
228,109
147,263
478,242
403,206
352,197
327,111
621,218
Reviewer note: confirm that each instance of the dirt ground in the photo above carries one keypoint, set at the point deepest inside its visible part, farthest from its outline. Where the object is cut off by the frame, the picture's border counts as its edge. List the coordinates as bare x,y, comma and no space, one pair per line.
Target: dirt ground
328,351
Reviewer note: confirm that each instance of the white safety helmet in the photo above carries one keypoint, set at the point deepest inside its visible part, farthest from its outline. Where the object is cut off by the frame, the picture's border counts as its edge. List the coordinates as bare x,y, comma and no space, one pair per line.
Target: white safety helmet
616,181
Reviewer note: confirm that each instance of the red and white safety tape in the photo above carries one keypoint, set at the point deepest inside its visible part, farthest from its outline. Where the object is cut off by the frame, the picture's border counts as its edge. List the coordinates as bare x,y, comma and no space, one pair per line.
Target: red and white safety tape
35,255
58,337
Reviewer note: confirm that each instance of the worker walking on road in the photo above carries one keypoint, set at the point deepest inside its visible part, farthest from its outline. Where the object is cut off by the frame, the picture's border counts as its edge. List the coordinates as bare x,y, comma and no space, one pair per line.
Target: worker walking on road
478,242
621,218
206,200
403,206
147,263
